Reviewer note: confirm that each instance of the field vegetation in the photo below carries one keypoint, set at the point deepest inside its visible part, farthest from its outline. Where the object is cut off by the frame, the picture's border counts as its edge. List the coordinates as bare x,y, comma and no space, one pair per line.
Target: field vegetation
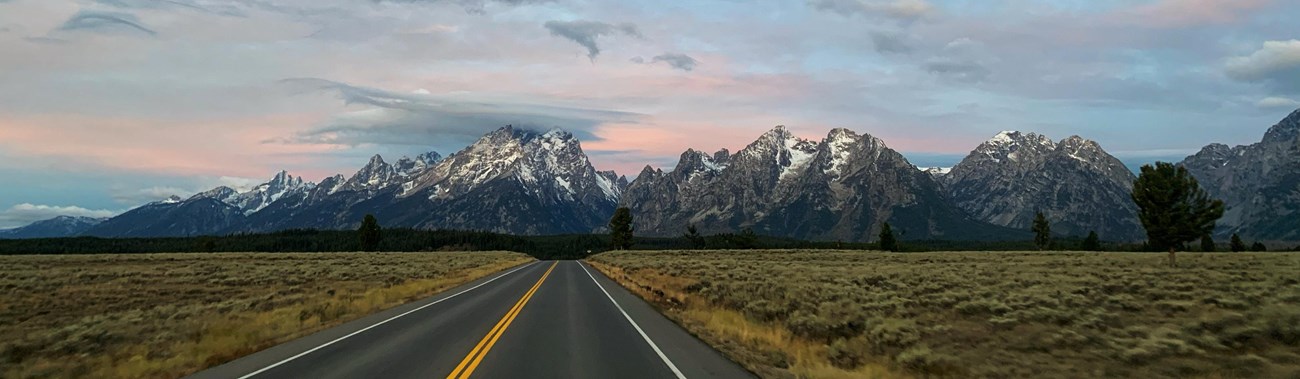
849,314
167,315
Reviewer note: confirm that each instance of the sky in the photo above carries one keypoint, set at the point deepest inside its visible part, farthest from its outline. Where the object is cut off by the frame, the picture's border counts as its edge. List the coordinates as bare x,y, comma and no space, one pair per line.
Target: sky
108,104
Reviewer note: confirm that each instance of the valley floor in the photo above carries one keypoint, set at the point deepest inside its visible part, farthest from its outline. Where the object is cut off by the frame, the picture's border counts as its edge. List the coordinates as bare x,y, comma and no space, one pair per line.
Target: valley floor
167,315
848,314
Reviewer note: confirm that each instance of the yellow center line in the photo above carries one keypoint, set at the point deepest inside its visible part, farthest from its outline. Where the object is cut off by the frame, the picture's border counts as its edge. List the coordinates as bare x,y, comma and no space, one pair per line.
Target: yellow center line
471,361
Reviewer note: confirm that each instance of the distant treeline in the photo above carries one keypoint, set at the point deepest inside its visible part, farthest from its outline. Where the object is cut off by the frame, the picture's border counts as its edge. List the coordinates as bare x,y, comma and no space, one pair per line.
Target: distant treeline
309,240
572,246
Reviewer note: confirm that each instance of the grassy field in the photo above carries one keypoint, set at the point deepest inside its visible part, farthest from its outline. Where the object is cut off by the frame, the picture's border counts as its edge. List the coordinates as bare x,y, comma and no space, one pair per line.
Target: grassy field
166,315
848,314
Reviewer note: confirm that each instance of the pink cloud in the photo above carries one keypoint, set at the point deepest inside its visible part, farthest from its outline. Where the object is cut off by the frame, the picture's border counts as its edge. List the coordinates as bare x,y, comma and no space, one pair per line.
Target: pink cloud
213,148
1192,13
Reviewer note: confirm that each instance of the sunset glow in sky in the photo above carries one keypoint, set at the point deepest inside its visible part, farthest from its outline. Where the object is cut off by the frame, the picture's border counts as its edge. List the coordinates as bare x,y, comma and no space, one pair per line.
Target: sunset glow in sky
108,104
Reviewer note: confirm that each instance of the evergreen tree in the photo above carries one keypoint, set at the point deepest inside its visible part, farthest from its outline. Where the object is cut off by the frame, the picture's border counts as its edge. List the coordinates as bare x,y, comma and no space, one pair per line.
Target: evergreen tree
1258,246
748,240
1237,245
620,229
693,237
370,233
1042,232
1207,243
1092,243
1173,207
887,241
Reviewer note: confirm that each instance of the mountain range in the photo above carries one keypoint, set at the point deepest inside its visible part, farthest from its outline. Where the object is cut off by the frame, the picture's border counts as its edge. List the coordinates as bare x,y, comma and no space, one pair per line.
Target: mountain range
843,187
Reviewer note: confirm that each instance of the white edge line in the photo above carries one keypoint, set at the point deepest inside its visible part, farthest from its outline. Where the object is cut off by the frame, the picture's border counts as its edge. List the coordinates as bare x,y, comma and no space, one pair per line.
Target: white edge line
286,360
634,325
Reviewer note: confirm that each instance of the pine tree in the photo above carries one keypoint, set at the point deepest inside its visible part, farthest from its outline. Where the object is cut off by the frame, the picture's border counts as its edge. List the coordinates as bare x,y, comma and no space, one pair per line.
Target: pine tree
370,233
1237,245
1092,243
748,240
1207,243
693,237
1173,207
887,241
1258,246
1042,232
620,229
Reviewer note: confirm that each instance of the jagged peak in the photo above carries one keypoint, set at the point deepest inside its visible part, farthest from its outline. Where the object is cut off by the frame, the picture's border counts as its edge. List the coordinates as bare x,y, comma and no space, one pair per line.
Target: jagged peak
1285,130
376,160
1077,141
841,133
219,193
648,170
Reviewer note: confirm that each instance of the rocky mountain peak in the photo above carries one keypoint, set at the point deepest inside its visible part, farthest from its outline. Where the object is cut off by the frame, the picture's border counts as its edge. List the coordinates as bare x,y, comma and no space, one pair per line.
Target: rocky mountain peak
722,157
221,193
1013,175
376,174
1287,130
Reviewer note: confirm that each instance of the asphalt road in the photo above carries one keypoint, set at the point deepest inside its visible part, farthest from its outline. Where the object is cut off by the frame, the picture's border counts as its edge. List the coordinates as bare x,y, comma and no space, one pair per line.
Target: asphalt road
552,319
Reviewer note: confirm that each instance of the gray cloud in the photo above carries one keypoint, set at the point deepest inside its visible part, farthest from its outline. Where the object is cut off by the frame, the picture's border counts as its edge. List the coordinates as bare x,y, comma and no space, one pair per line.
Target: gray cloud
472,6
585,33
1276,64
217,9
962,60
965,71
678,61
1277,103
890,42
415,119
901,10
100,20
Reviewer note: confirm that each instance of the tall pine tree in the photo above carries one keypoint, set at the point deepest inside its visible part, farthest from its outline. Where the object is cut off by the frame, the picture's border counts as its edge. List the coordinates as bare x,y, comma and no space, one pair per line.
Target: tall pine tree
370,233
1236,245
1173,207
693,237
887,241
620,229
1207,243
1042,232
1092,243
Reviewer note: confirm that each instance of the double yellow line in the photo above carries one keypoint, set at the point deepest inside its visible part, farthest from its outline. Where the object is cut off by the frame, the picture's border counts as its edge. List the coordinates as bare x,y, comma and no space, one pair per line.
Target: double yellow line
471,361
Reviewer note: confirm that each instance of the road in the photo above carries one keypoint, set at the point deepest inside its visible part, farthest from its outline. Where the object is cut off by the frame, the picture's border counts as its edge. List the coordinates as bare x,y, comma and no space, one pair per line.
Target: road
549,319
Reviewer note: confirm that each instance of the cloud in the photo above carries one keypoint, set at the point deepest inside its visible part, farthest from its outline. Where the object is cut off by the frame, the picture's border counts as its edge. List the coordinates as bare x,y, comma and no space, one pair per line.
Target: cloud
1190,13
965,71
217,9
136,196
962,59
1276,64
99,20
473,6
585,33
678,61
25,213
394,118
1277,102
901,10
890,42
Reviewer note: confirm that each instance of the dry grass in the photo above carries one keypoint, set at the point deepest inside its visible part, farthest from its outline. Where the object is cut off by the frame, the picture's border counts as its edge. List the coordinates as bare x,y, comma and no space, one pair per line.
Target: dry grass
167,315
840,314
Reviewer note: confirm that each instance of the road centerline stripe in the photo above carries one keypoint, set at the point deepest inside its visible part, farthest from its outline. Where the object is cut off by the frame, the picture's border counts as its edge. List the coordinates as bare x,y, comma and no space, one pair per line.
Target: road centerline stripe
471,361
634,325
322,346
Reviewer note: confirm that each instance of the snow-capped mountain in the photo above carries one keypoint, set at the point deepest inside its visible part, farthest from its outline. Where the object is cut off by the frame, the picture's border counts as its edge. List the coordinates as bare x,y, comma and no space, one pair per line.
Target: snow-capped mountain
510,180
1075,183
841,188
1259,183
60,226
